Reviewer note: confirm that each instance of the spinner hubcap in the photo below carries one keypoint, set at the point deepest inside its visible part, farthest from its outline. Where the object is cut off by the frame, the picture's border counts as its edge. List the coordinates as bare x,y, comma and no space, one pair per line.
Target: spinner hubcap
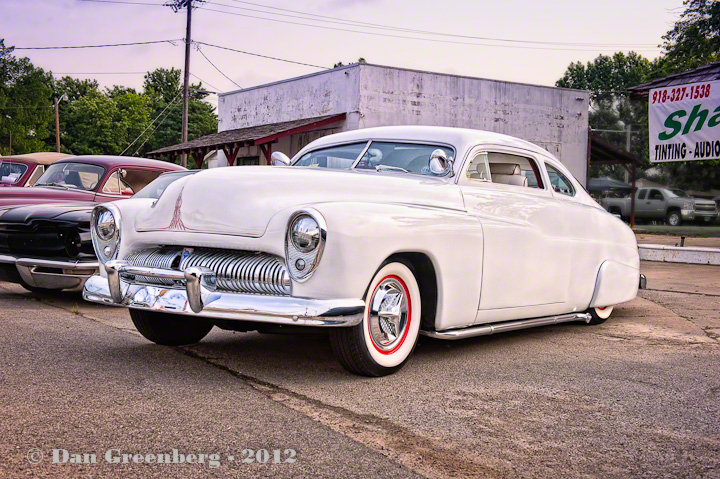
389,315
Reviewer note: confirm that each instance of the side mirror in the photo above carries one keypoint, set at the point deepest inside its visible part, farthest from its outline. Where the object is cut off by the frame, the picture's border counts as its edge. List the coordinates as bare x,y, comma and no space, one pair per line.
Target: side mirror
440,164
279,159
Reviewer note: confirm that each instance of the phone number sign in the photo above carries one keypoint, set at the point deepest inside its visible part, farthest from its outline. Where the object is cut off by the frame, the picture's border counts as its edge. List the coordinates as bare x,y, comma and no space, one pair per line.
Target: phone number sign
684,122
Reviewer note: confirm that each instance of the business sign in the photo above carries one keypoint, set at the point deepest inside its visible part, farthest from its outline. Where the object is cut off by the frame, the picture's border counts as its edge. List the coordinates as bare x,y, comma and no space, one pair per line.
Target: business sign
684,122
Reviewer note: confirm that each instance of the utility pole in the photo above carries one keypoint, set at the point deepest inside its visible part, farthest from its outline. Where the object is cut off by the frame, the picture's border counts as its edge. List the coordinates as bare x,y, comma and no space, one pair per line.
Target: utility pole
627,148
186,84
57,120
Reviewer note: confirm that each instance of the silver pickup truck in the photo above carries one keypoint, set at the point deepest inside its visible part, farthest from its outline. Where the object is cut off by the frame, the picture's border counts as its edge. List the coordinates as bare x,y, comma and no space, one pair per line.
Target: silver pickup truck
671,204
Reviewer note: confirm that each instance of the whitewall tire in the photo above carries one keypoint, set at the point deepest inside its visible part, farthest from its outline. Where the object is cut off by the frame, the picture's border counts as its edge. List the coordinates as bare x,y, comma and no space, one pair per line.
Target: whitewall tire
600,315
387,336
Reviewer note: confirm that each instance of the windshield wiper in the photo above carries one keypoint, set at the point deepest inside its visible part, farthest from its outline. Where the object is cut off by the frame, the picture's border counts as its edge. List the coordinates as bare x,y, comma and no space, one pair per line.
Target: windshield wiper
390,168
60,185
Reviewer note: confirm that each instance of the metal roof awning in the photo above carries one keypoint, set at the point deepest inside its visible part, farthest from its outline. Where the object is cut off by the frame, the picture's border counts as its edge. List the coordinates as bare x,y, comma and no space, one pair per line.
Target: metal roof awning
230,141
709,72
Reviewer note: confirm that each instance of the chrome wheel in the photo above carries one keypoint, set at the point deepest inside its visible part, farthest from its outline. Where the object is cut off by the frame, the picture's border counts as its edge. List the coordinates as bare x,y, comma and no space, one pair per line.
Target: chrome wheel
389,314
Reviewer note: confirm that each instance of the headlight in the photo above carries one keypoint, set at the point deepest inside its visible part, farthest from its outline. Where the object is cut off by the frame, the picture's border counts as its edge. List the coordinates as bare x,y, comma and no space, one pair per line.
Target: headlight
105,230
106,225
304,243
305,234
687,206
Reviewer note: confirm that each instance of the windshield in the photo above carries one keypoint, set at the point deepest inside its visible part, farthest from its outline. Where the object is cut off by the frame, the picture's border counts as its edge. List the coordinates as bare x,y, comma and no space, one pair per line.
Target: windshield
156,188
10,173
408,157
679,193
77,176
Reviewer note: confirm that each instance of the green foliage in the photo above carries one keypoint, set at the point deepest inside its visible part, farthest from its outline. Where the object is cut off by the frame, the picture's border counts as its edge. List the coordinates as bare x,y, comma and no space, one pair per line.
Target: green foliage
693,41
611,108
94,122
341,64
26,95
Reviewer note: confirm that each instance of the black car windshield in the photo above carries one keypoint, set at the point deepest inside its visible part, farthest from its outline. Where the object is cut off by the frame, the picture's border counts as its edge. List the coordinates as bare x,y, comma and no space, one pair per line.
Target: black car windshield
157,187
76,176
394,156
680,193
11,172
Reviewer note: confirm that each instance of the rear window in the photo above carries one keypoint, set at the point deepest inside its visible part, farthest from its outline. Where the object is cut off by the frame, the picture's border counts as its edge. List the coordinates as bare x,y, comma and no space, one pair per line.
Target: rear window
10,173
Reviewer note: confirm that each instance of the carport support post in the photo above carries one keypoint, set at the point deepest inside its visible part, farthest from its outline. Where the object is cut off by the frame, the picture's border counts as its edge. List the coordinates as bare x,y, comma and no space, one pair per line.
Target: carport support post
632,196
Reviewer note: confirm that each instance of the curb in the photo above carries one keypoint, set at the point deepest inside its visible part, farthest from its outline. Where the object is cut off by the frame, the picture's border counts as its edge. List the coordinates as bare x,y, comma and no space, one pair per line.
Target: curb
679,254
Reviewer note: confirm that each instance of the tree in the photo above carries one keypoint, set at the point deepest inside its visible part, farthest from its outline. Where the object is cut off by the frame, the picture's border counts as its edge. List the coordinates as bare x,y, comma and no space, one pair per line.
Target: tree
341,64
608,78
164,89
693,41
25,101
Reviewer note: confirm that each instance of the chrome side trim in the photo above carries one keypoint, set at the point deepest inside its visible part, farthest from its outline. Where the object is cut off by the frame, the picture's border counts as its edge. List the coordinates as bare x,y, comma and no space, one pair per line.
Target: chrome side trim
488,329
222,305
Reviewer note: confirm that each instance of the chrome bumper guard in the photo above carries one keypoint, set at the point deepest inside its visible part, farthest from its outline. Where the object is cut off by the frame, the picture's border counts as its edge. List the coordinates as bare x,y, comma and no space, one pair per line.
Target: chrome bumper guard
195,293
73,276
643,282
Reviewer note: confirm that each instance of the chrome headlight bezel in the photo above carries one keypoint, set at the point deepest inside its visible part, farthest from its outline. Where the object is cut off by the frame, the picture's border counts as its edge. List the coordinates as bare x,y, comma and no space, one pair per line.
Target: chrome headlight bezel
297,256
113,242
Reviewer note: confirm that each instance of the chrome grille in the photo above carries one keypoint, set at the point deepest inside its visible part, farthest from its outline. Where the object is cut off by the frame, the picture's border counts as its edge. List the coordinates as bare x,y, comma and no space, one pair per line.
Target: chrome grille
237,271
705,207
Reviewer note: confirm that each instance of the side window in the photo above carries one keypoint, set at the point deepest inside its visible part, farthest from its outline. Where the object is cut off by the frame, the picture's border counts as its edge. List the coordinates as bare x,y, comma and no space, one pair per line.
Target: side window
39,170
514,170
559,182
478,168
642,195
655,195
116,185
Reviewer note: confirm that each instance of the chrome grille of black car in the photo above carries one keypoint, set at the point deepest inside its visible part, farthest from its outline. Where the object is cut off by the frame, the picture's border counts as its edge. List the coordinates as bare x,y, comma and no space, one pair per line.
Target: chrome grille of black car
237,271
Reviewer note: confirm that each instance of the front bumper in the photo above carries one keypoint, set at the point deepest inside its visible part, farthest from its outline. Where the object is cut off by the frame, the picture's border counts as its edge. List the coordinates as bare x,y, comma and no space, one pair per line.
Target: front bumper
194,294
707,215
687,215
51,273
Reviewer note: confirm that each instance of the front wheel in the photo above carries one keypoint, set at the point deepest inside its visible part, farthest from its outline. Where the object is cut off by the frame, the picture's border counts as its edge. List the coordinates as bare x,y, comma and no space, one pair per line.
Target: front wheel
674,218
600,315
382,343
169,329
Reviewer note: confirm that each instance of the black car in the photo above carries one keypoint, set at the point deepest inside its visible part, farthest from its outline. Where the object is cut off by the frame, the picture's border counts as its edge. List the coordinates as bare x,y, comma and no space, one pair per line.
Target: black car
48,247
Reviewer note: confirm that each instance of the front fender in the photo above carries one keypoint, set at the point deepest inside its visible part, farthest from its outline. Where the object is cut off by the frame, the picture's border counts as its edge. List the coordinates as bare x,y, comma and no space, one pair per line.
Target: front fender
361,236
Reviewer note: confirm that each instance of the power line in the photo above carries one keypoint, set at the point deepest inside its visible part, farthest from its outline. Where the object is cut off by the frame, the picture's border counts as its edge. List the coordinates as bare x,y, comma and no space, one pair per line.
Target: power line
262,56
24,107
344,21
125,3
154,130
100,46
221,72
151,124
435,40
208,84
99,73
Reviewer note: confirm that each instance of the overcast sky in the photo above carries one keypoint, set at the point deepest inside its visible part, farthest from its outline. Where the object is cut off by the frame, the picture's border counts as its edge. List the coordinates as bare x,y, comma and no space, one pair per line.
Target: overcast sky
620,24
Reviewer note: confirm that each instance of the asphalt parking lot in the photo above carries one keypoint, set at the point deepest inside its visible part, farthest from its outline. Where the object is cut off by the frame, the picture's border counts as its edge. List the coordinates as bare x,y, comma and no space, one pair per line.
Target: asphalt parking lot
638,396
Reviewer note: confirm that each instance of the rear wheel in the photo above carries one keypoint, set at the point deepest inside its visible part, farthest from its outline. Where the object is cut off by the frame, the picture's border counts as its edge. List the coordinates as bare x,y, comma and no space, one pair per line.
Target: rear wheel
382,343
674,218
170,329
600,315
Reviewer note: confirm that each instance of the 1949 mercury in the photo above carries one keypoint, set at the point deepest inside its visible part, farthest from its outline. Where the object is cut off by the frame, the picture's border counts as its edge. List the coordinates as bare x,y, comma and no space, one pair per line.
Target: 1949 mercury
378,235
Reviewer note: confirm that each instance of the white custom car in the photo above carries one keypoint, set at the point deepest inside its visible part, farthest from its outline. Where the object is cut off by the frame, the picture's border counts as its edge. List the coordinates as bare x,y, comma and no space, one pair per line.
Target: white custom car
378,235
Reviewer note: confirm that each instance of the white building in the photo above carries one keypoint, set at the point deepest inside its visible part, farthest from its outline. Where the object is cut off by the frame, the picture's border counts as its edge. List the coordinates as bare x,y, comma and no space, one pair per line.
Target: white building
286,115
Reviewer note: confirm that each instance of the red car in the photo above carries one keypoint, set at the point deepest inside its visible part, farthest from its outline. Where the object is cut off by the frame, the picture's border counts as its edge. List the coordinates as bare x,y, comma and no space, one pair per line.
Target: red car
88,179
24,170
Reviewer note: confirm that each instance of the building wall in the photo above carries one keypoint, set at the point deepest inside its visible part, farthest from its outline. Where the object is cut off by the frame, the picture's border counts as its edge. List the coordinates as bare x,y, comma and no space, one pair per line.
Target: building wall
552,118
371,95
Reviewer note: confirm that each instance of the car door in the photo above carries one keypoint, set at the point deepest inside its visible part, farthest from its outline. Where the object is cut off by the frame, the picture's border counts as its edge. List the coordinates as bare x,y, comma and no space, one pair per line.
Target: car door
523,264
656,203
642,205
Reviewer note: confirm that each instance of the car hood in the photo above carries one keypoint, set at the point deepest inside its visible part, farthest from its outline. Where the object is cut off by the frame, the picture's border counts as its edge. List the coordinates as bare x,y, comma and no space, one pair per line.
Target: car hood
66,213
242,200
42,194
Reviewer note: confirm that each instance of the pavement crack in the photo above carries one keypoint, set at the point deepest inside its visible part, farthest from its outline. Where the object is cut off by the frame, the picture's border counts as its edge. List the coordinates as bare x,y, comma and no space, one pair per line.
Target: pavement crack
425,456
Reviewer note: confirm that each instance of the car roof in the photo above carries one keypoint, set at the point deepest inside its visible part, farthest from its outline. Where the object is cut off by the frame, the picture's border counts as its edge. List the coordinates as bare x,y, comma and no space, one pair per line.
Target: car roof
112,161
40,158
460,138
